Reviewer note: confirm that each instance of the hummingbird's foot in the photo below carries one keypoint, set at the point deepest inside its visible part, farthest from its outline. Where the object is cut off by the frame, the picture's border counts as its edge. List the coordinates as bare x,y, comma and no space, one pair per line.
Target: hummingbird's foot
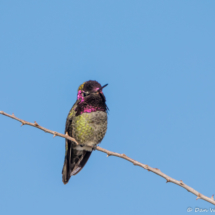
94,147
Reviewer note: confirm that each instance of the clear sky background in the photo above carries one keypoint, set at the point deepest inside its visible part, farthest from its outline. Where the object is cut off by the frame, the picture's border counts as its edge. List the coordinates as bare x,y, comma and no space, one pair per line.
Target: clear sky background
158,59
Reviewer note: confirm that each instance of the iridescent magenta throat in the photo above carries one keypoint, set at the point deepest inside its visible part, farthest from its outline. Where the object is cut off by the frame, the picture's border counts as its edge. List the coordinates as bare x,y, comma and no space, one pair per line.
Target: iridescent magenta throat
80,96
90,109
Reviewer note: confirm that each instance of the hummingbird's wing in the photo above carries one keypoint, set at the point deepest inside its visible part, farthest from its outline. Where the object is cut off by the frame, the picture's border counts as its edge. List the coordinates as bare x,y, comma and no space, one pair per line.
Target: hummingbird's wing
74,159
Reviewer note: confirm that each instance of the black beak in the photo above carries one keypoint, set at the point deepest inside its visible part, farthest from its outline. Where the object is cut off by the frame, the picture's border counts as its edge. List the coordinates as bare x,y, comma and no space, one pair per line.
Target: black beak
102,87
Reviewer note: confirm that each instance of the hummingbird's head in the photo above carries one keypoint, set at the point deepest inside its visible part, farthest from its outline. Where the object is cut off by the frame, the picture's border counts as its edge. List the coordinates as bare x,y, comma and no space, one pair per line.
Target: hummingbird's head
91,97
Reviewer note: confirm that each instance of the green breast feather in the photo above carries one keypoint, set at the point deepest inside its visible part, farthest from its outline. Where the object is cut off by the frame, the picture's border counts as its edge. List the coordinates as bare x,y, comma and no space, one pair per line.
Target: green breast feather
82,129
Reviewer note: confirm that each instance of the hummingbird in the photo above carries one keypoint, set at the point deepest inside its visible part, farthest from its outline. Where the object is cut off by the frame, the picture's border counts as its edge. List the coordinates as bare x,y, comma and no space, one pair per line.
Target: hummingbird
87,123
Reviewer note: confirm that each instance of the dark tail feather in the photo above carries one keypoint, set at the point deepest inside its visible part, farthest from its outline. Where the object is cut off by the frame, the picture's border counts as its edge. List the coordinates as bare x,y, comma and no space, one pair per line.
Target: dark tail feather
82,163
66,166
74,162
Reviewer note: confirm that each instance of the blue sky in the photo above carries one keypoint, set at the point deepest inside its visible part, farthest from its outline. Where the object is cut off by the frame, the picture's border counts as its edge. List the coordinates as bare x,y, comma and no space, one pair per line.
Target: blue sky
158,59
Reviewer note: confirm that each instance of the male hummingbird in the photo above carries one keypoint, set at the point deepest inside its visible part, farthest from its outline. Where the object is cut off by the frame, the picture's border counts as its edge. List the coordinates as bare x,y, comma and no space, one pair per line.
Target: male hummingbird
87,123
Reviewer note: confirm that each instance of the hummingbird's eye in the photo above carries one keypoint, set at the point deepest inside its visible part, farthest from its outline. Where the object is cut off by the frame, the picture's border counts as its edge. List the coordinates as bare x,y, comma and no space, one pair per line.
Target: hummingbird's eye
85,94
